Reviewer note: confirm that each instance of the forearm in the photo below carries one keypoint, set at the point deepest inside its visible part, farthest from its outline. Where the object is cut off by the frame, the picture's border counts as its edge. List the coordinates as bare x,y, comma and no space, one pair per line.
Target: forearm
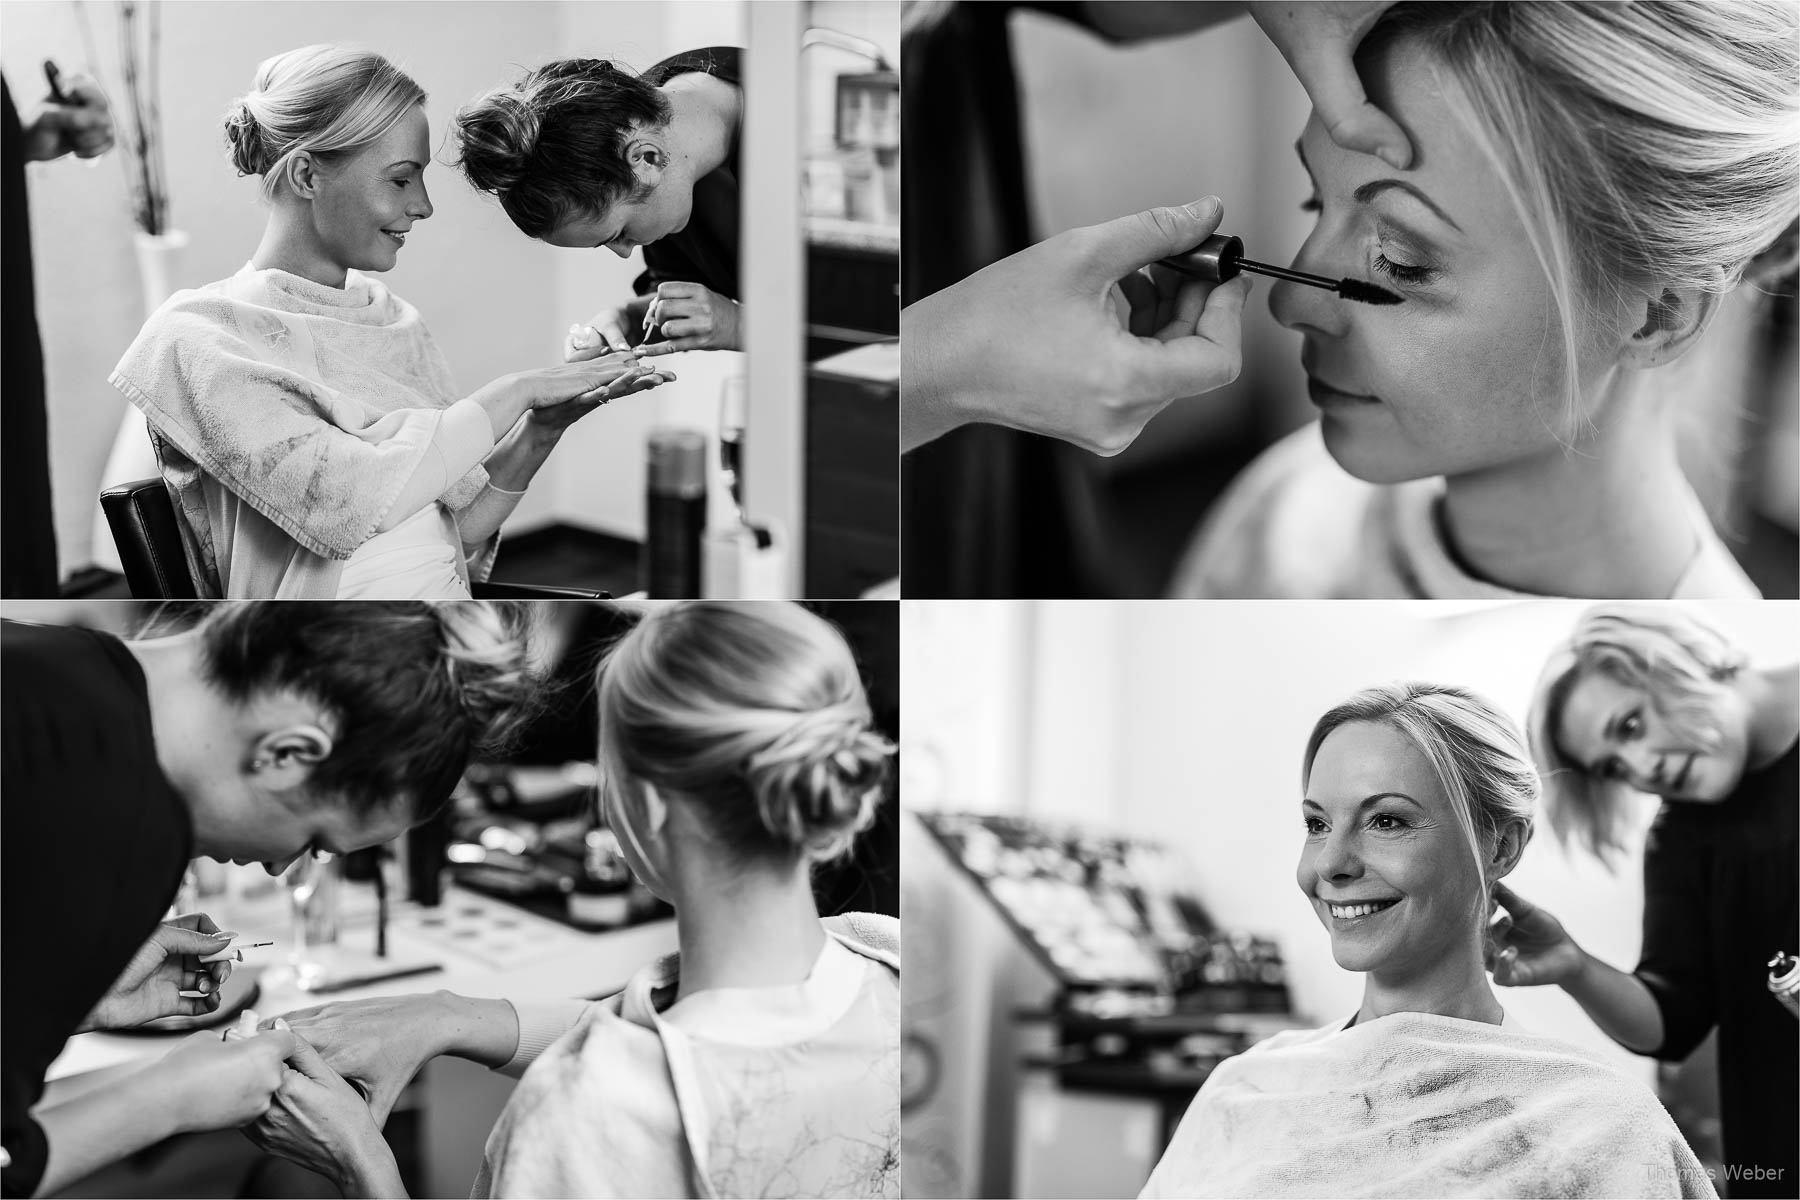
510,470
1621,1004
372,1172
102,1126
926,412
484,1031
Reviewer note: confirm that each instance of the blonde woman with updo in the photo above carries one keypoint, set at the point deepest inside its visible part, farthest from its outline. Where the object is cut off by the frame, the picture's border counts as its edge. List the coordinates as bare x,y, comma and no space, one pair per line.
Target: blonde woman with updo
307,424
763,1059
1417,800
1593,182
1649,704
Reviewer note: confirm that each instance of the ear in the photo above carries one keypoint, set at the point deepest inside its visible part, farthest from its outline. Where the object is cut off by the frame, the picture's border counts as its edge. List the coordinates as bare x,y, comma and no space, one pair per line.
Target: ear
1509,848
656,809
1673,320
283,759
648,159
303,175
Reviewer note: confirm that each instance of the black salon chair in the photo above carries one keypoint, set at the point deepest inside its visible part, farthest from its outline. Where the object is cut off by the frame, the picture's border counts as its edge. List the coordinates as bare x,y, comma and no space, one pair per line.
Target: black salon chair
148,531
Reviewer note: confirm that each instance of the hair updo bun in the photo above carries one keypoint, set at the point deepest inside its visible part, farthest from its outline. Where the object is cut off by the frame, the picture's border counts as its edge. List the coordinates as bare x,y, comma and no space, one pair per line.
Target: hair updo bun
244,137
552,146
418,689
498,139
817,785
324,100
756,714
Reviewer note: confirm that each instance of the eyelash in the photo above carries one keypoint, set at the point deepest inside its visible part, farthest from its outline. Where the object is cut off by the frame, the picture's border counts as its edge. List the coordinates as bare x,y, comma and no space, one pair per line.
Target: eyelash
1399,823
1399,272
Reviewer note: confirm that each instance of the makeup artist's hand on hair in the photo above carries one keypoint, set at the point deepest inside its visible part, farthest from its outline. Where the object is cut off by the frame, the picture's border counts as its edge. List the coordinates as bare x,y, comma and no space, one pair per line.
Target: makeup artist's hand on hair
163,967
1037,341
1527,947
1319,42
211,1083
318,1120
82,127
692,317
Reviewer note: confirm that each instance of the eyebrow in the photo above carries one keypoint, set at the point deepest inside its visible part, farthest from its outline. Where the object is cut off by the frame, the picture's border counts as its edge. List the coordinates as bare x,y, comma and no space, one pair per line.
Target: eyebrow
407,162
1370,800
1375,187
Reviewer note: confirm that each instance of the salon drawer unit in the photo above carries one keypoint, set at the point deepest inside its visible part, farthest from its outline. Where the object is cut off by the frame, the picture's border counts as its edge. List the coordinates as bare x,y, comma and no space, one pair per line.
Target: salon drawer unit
852,471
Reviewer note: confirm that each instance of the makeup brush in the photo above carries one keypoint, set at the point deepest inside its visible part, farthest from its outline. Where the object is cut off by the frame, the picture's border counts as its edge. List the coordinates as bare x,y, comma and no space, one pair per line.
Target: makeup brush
1221,257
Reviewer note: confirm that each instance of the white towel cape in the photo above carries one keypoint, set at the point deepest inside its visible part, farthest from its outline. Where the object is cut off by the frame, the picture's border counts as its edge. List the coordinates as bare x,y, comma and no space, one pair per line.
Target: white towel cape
309,406
1414,1104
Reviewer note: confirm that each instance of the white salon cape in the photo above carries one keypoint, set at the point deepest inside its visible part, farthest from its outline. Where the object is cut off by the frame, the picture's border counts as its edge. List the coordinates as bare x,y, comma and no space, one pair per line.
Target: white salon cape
1295,525
1415,1104
783,1091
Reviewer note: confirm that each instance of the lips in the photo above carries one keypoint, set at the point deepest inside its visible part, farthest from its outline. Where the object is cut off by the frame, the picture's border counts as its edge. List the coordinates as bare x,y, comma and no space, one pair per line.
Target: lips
399,235
1325,395
1356,910
1680,780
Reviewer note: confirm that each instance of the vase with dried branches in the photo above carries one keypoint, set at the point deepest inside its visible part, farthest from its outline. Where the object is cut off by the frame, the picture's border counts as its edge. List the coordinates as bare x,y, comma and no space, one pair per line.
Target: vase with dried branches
137,116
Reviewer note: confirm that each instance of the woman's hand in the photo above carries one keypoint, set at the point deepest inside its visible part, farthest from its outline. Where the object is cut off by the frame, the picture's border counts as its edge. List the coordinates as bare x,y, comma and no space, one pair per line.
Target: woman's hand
1319,41
512,396
209,1083
1527,946
82,127
555,418
319,1121
1037,341
692,317
603,334
377,1045
164,967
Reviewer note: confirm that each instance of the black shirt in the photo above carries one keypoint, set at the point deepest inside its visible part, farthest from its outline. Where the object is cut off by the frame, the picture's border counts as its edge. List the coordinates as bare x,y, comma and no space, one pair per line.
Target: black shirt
28,551
706,251
1719,902
94,847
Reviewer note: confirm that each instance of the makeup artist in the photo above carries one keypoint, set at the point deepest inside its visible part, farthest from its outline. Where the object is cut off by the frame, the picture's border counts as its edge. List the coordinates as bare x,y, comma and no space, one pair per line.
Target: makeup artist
585,153
262,733
1030,343
1648,700
74,119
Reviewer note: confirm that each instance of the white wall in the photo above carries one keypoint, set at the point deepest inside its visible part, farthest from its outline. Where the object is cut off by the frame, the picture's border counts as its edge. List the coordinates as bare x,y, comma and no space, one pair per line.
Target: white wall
495,300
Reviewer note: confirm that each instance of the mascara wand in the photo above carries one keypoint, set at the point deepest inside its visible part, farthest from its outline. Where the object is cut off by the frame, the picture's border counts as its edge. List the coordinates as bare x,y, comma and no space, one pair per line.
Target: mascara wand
1221,257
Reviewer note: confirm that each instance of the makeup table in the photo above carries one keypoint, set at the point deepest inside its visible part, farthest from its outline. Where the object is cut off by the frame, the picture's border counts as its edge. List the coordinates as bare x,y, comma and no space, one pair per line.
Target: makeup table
486,948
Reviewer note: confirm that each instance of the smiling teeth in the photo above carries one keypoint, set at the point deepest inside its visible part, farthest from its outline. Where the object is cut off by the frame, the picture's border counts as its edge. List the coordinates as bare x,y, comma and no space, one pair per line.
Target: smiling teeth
1360,910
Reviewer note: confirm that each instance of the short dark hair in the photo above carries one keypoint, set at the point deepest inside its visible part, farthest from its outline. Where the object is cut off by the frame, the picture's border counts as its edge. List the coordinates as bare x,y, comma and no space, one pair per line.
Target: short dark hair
419,688
552,146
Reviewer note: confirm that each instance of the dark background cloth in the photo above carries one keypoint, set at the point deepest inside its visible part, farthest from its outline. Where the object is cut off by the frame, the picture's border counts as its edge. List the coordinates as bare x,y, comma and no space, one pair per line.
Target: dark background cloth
96,841
28,543
707,250
1719,901
985,511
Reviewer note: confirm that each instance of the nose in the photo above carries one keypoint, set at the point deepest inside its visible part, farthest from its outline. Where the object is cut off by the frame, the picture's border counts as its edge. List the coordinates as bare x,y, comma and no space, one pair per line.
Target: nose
621,248
1644,767
1338,858
1309,310
421,208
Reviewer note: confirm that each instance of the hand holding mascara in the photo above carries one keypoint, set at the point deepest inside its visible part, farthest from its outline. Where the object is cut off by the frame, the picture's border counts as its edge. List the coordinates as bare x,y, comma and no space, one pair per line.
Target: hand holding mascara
1221,257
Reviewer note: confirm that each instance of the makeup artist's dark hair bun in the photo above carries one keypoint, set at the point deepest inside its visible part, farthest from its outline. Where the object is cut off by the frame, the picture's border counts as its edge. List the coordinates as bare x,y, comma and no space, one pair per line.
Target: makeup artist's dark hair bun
418,688
753,712
552,146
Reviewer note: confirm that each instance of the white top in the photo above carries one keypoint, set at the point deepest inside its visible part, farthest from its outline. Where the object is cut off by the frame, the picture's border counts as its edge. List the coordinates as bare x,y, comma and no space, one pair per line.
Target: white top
1295,525
782,1091
1417,1104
